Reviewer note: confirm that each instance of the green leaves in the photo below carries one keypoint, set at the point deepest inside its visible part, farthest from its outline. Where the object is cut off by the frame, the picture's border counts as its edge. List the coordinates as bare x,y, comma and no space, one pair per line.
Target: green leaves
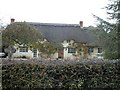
20,33
47,48
110,38
71,77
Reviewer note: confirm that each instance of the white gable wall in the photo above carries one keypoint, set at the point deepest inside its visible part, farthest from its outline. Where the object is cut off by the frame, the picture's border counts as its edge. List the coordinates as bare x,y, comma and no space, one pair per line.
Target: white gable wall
66,54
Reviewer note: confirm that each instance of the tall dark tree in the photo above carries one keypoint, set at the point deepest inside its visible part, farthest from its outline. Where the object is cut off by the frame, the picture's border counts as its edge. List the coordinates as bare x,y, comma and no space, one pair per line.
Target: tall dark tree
2,27
111,36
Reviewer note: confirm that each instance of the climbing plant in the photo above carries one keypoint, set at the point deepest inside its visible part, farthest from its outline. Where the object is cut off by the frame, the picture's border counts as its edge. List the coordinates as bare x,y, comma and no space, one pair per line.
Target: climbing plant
47,48
81,48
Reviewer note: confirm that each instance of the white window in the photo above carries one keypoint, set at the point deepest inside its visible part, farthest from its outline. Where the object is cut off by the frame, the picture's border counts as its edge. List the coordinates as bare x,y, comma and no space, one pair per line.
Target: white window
23,49
71,50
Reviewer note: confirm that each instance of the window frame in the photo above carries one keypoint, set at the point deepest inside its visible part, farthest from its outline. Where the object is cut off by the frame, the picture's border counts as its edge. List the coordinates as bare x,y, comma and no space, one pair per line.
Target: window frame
23,49
90,49
71,50
99,50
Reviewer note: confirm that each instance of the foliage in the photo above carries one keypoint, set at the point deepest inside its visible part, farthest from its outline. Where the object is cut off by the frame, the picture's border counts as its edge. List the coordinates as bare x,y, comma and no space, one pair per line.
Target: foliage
20,33
70,77
110,36
47,48
1,28
113,9
1,24
81,48
0,41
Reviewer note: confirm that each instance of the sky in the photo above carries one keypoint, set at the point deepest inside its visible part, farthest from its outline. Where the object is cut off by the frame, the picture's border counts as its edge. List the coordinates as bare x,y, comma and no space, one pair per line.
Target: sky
53,11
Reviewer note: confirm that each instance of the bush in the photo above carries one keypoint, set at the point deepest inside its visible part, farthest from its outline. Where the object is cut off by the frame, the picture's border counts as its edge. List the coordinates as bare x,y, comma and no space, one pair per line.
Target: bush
71,77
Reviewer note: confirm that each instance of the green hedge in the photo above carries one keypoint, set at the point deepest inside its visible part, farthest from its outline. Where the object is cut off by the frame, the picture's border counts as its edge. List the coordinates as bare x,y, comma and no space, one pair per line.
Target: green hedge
71,77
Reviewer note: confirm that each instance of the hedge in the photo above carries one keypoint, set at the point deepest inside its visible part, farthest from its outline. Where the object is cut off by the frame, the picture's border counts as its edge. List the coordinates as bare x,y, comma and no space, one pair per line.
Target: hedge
70,77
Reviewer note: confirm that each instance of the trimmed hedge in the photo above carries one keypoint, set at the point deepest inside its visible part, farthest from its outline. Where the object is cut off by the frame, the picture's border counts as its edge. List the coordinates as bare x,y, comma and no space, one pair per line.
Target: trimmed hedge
71,77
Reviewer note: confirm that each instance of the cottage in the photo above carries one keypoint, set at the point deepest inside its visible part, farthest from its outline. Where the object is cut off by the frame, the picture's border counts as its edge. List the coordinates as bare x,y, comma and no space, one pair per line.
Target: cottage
75,39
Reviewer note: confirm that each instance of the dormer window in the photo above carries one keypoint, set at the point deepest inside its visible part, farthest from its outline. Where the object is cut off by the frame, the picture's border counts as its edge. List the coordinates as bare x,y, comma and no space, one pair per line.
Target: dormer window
68,41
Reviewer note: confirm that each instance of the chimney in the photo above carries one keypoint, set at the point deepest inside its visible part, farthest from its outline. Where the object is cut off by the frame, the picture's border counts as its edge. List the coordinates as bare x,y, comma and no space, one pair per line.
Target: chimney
12,20
81,24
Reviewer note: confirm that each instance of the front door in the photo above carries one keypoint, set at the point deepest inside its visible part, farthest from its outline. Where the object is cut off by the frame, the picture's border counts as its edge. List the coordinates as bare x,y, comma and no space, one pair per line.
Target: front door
61,53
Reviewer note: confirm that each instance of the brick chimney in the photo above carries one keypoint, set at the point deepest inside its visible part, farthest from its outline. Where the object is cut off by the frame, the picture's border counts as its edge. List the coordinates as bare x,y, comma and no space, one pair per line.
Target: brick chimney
12,20
81,24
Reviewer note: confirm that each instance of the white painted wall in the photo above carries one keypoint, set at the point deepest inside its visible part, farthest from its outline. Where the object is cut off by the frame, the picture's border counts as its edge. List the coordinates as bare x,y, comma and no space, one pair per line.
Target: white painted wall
66,54
28,54
94,53
37,54
54,56
65,44
95,50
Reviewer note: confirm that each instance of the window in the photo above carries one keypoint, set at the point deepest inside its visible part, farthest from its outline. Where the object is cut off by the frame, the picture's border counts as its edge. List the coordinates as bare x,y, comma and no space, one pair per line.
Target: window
90,50
23,49
71,50
34,52
99,50
68,41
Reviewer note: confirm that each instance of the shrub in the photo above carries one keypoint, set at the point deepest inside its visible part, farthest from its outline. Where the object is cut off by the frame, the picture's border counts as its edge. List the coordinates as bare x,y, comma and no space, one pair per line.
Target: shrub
71,77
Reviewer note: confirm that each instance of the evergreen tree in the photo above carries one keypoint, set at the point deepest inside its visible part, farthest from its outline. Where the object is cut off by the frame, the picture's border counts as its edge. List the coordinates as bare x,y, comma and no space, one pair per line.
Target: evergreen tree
111,36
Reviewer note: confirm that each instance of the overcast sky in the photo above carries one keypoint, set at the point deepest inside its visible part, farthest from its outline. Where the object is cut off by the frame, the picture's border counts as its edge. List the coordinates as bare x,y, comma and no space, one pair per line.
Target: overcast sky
53,11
